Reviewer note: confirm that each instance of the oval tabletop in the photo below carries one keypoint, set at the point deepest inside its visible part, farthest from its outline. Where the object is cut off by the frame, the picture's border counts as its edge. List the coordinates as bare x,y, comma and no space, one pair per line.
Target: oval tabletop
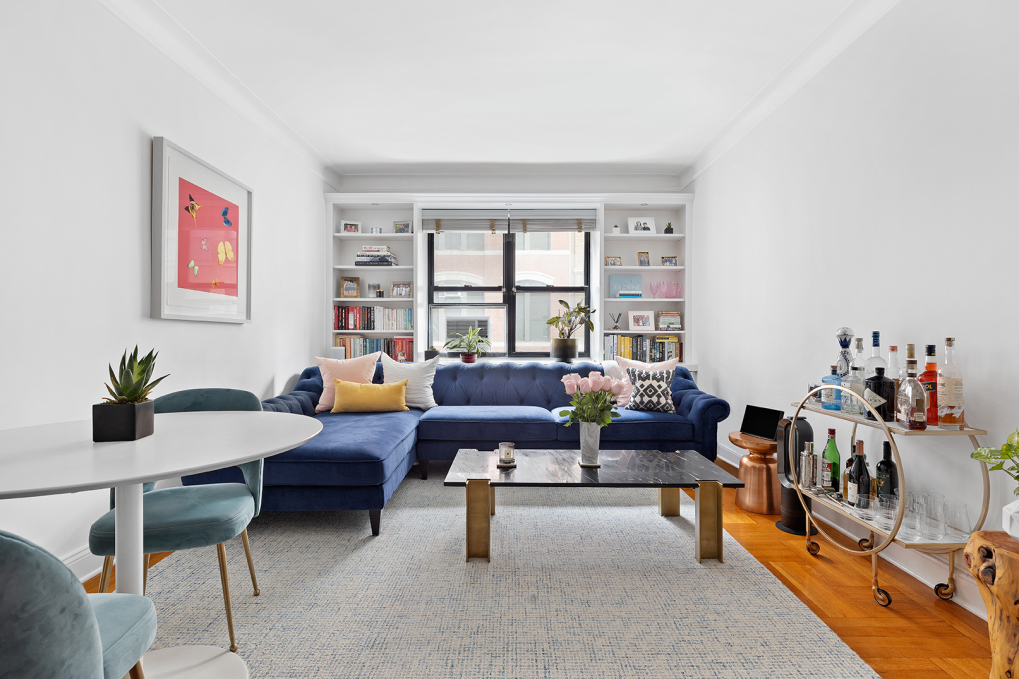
61,458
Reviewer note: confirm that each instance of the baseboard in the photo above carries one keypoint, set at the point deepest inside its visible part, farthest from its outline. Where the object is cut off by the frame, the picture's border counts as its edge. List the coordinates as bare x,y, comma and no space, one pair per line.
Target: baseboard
930,569
84,564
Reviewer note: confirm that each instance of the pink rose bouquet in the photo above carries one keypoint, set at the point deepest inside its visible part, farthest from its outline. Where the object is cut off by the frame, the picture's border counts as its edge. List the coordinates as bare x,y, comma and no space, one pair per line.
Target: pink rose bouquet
594,398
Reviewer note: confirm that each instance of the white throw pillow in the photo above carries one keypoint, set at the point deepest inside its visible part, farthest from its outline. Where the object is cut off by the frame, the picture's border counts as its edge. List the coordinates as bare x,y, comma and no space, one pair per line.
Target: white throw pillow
419,378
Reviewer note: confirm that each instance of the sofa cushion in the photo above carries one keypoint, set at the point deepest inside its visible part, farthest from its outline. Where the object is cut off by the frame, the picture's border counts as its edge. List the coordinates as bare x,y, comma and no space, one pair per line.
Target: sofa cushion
632,425
359,370
491,423
507,384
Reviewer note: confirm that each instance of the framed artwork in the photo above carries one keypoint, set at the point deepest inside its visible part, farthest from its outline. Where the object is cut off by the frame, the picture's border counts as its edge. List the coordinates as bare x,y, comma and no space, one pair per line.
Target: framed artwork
401,289
403,227
350,227
642,320
670,261
613,261
201,240
641,224
350,286
643,259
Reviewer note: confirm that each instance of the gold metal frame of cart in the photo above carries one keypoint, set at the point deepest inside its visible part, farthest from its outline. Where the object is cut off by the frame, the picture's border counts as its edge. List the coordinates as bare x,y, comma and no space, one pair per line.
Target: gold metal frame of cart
944,590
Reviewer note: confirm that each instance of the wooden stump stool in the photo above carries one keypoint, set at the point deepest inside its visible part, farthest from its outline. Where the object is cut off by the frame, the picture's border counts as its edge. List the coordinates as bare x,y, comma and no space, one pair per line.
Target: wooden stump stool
762,493
993,559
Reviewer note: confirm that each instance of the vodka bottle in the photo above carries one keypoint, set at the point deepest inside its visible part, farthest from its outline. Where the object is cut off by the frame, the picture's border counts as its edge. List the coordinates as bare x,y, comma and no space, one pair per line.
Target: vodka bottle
875,361
859,361
950,404
851,405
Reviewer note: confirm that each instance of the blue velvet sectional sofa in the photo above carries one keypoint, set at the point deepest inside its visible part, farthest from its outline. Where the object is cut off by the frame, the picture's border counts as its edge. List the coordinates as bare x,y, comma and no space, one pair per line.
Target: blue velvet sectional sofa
359,459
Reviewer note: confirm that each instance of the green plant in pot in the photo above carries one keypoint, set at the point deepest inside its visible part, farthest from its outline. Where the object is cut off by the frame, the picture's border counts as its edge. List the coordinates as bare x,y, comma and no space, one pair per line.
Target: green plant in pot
127,414
1005,459
470,344
572,319
431,352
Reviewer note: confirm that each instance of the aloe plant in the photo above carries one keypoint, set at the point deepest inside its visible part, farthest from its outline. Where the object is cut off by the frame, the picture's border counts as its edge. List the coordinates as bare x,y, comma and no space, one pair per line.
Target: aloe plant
133,381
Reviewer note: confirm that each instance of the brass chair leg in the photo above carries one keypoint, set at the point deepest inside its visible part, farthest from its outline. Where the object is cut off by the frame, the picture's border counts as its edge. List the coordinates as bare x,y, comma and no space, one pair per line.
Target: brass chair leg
145,572
251,564
137,672
221,553
104,577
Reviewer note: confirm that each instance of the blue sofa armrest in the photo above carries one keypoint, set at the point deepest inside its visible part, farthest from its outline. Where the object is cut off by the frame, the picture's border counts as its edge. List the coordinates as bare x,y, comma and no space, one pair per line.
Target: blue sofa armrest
297,402
705,412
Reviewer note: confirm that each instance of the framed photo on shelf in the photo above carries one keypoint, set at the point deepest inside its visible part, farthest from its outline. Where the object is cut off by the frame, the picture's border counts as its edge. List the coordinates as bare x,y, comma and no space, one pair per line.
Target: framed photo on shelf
201,240
641,320
613,261
643,259
670,261
641,224
350,227
350,286
401,289
403,227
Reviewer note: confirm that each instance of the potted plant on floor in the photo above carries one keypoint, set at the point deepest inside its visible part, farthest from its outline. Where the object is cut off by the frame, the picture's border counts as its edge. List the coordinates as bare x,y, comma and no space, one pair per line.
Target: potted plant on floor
470,344
127,415
594,406
564,347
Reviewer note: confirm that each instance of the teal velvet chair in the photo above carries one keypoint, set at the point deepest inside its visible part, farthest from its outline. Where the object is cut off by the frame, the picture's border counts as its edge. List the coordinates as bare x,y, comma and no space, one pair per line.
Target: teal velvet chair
50,628
191,517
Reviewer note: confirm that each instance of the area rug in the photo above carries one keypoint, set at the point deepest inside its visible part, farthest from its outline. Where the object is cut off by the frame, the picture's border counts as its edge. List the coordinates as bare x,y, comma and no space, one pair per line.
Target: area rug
582,583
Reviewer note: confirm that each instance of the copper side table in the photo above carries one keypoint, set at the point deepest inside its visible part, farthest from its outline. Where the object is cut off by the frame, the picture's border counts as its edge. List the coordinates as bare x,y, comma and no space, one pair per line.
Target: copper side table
758,469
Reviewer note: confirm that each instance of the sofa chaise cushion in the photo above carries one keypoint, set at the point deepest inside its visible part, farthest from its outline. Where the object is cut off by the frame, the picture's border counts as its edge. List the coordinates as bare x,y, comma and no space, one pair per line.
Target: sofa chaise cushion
491,423
632,425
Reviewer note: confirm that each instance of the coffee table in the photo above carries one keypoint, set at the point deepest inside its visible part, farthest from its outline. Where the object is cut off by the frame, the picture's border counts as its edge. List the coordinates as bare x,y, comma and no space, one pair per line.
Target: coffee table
669,472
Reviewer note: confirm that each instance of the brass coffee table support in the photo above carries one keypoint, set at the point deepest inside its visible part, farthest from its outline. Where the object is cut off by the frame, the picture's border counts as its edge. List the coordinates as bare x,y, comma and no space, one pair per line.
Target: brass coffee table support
491,498
668,501
708,497
479,519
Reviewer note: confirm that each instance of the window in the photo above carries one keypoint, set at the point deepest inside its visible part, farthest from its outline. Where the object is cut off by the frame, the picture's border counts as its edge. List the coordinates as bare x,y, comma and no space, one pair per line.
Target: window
467,272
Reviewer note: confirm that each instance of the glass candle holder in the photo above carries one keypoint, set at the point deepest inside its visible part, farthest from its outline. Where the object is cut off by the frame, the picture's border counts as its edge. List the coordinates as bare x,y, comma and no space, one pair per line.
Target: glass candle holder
506,450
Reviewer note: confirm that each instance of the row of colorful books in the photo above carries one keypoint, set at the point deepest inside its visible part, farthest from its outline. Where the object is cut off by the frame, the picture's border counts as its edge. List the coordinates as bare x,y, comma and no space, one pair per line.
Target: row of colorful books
649,348
372,318
398,348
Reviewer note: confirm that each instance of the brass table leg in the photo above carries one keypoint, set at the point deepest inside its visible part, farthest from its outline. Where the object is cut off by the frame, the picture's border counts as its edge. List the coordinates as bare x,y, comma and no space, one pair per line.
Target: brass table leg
479,519
668,501
491,498
708,497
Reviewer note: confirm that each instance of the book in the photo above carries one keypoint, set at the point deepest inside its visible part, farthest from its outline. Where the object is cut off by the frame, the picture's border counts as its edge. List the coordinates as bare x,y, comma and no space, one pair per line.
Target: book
628,283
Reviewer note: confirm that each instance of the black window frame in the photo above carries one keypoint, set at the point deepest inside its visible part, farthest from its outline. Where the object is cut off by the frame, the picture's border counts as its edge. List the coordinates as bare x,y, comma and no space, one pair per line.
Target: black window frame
509,292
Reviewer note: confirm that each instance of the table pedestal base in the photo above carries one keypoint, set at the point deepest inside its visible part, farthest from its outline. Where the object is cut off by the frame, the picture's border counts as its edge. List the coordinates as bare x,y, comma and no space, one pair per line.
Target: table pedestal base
193,662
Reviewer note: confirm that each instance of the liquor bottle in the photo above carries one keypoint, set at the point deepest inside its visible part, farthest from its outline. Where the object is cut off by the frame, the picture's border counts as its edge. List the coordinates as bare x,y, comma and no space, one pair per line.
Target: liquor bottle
830,399
859,485
929,379
912,400
844,336
858,361
887,476
910,353
879,393
950,405
845,476
830,464
892,371
851,405
875,361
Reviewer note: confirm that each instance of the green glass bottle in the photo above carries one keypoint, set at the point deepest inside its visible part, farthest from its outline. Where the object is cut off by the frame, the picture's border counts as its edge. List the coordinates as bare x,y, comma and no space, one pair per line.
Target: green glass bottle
830,466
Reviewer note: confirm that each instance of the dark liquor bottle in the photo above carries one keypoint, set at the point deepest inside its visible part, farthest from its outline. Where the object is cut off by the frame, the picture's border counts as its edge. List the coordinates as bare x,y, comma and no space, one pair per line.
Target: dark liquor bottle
880,393
859,485
929,379
887,475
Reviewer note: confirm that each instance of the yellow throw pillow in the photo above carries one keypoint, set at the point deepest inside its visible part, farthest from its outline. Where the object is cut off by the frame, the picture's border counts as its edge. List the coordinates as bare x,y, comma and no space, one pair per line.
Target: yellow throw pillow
352,397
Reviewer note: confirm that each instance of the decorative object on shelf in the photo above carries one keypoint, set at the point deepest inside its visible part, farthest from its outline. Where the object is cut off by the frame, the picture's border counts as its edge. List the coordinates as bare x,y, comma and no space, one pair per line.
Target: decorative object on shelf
653,286
615,320
201,240
992,558
507,449
613,261
564,347
643,259
431,352
376,229
669,321
380,293
127,414
350,227
615,229
670,261
845,337
668,228
470,344
641,224
641,320
350,286
374,289
593,407
626,285
671,289
403,227
401,289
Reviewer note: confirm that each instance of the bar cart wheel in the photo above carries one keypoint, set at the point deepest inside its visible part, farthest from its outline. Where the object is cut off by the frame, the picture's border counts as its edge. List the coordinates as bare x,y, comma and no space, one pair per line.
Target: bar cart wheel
813,548
865,543
945,591
882,597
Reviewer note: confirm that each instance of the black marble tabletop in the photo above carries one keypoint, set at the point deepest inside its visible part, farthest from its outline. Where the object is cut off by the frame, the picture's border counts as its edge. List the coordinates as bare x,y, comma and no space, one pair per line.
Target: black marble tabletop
619,469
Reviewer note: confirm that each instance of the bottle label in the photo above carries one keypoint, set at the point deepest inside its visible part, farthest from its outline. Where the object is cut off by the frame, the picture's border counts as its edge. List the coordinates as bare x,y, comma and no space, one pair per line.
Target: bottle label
826,473
873,398
950,391
828,396
854,491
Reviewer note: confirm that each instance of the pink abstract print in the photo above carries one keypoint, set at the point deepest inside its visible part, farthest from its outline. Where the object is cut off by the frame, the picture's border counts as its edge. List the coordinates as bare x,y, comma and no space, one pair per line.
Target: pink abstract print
206,241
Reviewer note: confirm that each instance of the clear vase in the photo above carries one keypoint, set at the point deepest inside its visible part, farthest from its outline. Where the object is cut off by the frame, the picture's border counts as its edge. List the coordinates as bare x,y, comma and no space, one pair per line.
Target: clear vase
590,439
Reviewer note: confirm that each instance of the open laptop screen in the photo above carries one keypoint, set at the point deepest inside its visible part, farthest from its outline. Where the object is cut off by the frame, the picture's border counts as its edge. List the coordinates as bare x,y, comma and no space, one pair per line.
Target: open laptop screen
761,422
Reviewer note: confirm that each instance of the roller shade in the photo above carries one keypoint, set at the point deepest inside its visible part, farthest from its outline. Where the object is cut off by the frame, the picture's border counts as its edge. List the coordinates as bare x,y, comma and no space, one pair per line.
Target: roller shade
520,221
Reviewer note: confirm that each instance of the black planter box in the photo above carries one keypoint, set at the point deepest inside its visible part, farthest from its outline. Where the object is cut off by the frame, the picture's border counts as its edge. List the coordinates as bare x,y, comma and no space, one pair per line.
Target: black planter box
123,421
429,354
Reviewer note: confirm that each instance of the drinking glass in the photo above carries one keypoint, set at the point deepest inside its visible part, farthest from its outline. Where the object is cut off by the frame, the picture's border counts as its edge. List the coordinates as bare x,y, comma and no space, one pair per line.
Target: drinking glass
887,506
909,530
957,521
654,288
933,527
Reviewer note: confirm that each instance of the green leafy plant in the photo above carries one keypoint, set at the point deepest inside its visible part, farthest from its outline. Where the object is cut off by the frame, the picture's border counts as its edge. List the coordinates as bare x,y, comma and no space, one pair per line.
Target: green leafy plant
133,381
1005,458
470,342
571,320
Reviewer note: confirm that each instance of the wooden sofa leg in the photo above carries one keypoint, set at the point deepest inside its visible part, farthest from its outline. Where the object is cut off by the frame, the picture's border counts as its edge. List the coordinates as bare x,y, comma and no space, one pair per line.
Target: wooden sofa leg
375,517
423,469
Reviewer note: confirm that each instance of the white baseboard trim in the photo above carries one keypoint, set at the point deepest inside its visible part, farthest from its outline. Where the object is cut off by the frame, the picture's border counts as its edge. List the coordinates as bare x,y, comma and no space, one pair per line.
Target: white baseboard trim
930,569
84,564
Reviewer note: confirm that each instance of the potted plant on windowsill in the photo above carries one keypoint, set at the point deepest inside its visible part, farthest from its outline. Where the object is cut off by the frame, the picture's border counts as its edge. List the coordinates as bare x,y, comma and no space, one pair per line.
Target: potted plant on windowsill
431,352
594,406
1006,459
127,415
470,344
564,347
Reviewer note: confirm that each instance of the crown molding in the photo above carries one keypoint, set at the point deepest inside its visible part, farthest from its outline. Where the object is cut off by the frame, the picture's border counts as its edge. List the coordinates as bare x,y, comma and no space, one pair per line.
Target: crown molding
166,34
843,31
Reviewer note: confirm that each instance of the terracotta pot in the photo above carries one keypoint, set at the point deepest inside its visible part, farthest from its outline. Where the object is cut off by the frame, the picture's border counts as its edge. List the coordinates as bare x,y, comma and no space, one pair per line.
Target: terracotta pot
563,349
468,358
123,421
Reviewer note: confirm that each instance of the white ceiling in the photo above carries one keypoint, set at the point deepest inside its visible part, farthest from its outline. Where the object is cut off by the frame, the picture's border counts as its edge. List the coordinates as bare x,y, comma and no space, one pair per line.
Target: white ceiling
450,86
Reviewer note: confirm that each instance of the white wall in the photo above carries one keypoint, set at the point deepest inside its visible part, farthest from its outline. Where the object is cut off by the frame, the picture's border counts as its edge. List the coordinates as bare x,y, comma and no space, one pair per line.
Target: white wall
83,95
880,196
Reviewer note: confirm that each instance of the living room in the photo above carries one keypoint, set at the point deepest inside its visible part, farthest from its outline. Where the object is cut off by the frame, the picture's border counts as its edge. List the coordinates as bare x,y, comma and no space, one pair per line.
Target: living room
815,157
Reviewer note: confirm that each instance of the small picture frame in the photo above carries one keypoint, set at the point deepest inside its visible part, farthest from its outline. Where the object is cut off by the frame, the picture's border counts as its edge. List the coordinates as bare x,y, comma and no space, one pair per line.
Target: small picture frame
642,320
350,286
401,289
403,227
643,225
670,261
643,259
613,261
350,227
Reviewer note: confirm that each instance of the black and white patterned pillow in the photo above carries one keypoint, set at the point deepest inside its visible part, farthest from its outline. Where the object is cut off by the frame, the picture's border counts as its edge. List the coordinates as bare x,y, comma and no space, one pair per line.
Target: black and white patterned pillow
652,390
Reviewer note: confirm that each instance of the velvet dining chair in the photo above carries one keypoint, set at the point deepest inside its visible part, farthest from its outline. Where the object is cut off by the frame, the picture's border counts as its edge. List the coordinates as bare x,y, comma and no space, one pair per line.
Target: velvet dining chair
51,628
191,517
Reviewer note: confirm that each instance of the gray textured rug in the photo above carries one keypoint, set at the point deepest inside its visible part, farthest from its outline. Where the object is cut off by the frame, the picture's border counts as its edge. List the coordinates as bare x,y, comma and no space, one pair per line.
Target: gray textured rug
583,583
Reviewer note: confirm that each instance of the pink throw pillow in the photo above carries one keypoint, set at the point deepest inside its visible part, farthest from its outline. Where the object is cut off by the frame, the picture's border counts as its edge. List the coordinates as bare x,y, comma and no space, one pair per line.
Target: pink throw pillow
624,398
359,370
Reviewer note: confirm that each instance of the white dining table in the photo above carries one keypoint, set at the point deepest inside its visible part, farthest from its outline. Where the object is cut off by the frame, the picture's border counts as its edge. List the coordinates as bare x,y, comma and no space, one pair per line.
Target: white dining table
50,459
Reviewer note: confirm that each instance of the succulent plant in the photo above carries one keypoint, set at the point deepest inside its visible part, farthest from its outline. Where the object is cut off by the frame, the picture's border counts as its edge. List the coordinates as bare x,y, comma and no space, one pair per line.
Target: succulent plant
133,382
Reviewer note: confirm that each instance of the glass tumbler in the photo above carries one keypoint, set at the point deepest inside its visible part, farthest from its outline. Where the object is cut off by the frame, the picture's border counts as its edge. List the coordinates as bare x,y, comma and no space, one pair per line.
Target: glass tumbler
887,507
910,528
957,522
933,527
